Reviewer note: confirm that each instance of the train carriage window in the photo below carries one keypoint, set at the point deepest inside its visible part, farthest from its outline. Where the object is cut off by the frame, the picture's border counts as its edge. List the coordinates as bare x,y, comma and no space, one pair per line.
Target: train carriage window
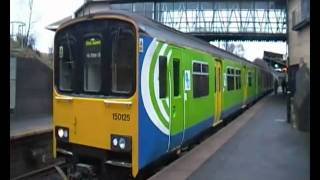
122,64
196,67
92,64
200,79
176,72
249,79
204,68
238,79
230,79
162,76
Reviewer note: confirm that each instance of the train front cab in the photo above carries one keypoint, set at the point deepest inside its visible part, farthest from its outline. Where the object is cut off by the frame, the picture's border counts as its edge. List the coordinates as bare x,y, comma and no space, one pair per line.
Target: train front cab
95,93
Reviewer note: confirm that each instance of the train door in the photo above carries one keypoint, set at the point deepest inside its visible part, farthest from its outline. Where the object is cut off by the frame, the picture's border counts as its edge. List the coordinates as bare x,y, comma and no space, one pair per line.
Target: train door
218,94
177,120
245,83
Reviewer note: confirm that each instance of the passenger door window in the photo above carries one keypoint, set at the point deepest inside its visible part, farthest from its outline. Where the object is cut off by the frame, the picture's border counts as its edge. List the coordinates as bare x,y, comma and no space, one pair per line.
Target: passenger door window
162,76
176,75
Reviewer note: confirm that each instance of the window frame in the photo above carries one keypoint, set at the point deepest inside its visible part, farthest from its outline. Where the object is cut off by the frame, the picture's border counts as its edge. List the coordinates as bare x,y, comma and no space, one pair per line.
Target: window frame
237,77
201,73
231,73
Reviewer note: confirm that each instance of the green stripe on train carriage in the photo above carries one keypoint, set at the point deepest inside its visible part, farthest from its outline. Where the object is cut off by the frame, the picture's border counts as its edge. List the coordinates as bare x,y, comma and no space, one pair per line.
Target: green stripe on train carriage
164,104
151,85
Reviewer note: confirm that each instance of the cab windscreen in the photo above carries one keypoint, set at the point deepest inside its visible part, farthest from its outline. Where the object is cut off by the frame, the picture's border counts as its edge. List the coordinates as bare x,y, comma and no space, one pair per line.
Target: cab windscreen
96,58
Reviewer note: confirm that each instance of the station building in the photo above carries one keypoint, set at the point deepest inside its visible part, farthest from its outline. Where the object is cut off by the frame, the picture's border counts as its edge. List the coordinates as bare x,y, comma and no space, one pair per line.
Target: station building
299,63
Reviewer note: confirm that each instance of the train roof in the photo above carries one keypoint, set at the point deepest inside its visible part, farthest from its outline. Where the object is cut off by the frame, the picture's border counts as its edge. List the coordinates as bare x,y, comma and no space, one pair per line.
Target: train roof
262,64
162,33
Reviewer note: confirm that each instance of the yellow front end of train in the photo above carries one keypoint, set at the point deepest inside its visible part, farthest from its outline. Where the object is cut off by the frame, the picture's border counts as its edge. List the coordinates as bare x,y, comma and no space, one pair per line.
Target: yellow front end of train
95,93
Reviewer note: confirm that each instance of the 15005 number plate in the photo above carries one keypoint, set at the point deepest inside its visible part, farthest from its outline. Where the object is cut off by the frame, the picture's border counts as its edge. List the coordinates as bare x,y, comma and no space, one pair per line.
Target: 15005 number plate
121,117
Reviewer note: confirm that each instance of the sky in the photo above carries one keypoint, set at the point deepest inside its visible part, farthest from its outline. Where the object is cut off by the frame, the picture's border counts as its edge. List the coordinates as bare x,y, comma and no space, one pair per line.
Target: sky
46,12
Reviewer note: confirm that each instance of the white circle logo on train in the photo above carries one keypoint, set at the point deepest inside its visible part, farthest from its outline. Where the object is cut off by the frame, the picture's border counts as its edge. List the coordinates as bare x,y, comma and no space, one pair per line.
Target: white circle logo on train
157,109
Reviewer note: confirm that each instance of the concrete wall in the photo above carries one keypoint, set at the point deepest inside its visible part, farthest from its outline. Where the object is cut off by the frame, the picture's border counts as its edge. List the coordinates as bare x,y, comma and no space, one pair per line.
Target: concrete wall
299,54
299,41
33,88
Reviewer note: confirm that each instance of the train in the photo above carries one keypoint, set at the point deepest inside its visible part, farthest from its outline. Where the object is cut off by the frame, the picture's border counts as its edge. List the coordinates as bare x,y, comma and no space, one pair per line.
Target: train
128,90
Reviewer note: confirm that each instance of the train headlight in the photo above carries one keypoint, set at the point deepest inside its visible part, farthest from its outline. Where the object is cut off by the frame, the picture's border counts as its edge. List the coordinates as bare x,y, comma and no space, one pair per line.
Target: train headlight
120,143
115,142
62,133
65,133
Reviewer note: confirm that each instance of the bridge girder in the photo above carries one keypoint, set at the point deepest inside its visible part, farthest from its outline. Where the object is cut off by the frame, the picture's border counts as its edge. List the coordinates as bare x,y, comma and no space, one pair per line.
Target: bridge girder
214,20
240,36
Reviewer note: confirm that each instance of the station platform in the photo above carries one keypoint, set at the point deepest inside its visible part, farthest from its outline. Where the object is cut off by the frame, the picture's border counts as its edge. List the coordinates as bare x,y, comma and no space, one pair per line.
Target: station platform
258,144
30,125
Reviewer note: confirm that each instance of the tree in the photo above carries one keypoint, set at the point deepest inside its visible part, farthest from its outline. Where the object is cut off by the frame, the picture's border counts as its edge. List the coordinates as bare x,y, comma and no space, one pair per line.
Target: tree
239,50
32,42
229,47
235,49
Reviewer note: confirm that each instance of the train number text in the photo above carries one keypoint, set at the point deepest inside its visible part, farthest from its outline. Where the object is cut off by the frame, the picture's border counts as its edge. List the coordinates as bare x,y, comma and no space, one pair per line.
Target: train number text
121,117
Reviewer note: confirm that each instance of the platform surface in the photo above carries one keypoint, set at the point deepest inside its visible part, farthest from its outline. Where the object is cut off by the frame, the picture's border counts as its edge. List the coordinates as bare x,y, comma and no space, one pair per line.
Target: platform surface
26,126
259,144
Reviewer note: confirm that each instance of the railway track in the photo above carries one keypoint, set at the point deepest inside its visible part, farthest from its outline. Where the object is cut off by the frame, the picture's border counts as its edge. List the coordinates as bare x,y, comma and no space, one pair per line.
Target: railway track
55,171
29,153
52,172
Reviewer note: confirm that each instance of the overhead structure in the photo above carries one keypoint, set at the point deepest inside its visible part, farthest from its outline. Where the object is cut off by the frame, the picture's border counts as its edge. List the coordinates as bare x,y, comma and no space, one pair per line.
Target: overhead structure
264,20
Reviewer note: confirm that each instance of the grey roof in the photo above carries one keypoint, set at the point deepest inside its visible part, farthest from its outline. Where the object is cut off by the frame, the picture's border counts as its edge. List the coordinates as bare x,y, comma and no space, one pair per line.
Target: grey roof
262,64
54,26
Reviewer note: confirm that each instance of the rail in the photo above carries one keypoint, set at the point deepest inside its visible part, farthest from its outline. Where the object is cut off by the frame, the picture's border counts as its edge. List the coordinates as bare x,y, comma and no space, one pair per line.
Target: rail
46,169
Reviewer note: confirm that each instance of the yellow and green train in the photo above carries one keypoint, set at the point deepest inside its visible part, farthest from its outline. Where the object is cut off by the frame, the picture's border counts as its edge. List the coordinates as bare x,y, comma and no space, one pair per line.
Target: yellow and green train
128,90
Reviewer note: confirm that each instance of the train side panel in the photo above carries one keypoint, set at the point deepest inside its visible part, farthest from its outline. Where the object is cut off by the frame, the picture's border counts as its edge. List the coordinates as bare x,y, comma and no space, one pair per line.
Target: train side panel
153,128
232,98
164,125
200,98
